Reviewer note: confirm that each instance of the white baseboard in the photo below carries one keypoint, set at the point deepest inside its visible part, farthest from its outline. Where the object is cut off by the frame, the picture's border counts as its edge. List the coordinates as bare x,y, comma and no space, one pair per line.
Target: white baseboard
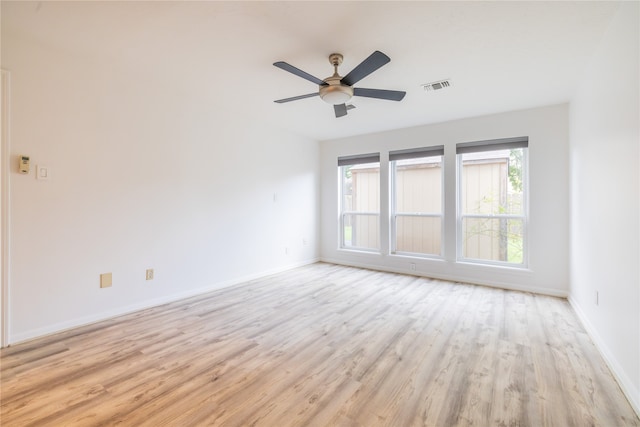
105,315
625,383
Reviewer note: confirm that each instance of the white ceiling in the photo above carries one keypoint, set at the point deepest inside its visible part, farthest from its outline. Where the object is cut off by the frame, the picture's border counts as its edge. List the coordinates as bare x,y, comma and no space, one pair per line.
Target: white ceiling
499,56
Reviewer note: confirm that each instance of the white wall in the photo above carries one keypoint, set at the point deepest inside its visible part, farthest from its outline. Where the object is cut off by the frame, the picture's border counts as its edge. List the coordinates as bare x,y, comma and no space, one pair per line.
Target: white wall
605,219
547,129
145,173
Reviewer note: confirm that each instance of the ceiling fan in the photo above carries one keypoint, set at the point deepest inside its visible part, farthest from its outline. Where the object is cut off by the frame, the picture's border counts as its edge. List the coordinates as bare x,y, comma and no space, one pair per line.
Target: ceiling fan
337,90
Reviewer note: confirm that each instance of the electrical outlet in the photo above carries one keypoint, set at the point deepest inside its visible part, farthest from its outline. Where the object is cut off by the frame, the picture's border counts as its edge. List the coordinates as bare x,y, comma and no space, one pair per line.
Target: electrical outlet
149,274
286,251
412,266
597,298
106,280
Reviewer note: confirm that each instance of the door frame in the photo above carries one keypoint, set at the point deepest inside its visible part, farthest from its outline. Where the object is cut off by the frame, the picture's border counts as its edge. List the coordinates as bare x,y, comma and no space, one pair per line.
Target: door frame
5,103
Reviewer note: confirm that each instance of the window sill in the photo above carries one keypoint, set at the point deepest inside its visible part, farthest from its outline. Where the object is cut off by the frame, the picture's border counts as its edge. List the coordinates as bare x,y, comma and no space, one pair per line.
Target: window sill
414,256
361,251
505,267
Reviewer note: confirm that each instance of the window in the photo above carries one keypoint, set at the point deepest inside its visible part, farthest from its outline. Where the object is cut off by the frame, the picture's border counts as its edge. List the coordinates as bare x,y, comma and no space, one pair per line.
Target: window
492,204
416,201
360,201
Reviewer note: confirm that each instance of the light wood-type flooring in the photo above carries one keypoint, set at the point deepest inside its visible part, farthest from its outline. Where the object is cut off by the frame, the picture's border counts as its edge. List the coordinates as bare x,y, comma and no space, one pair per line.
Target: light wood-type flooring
321,345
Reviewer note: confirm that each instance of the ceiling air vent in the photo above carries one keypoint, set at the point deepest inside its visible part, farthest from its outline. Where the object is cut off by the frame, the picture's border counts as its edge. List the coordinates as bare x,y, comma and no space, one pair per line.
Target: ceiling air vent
441,84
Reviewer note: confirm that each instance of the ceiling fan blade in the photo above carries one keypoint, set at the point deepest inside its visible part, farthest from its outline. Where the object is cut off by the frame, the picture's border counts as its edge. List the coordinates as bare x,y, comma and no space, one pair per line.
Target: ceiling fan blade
376,60
298,72
340,109
295,98
391,95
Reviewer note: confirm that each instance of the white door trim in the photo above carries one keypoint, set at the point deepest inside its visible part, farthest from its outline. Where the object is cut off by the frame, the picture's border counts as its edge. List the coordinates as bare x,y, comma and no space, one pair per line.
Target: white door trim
5,173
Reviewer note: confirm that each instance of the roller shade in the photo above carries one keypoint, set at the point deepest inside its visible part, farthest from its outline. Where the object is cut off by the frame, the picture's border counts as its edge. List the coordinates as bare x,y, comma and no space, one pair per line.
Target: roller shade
359,159
492,144
414,153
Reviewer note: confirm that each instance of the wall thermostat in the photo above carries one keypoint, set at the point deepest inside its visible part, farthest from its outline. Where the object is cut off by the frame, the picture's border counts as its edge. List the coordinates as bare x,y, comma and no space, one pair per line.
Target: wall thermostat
24,164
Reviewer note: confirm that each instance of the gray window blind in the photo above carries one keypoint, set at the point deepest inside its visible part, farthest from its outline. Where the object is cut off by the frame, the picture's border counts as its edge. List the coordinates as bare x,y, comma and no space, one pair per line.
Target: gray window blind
414,153
492,144
359,159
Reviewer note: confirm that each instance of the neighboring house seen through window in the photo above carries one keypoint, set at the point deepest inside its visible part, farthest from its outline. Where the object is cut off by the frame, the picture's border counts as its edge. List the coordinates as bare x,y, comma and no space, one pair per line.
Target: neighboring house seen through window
416,201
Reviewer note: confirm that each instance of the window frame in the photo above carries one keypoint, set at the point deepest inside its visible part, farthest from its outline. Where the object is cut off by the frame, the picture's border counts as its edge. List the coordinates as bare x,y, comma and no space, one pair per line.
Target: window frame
360,159
394,157
493,145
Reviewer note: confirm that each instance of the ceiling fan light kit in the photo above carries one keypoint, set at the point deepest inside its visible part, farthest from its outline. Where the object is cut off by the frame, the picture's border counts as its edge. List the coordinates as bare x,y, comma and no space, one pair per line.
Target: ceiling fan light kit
338,90
336,94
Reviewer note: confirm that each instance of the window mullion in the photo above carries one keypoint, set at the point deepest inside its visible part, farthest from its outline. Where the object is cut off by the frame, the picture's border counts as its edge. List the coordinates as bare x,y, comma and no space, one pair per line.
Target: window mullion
419,214
494,216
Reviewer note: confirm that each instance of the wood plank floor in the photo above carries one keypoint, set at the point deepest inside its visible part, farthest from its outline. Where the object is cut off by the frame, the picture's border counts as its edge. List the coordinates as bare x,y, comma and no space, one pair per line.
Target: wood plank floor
322,345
